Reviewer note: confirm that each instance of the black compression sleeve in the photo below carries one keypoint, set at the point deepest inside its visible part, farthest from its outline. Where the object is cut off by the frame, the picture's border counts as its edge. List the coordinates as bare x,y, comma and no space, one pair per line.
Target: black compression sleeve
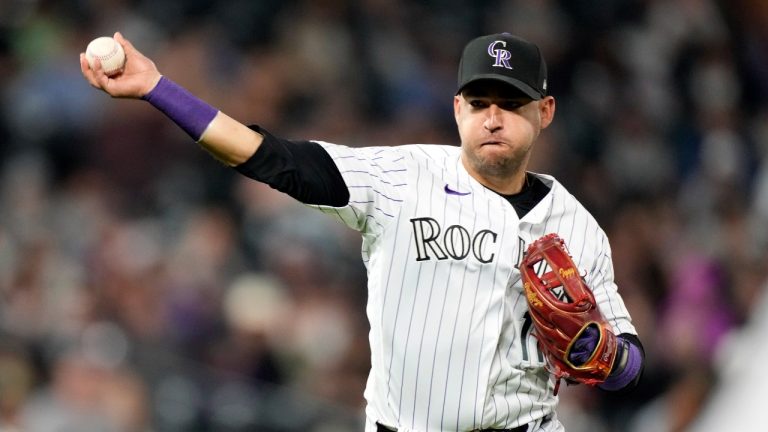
301,169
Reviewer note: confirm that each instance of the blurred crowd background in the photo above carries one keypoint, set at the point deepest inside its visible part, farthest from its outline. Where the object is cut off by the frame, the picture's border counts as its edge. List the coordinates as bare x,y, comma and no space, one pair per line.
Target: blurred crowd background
146,287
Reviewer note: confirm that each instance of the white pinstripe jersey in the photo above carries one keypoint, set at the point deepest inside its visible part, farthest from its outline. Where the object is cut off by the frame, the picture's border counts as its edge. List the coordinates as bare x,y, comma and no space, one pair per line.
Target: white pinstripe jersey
450,340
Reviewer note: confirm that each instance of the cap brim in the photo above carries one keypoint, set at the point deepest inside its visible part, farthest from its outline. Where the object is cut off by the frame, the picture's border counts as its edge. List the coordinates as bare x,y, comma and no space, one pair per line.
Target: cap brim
519,85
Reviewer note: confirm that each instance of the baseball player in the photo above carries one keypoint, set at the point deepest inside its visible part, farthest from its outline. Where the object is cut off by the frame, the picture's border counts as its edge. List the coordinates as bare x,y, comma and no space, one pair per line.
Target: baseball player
444,231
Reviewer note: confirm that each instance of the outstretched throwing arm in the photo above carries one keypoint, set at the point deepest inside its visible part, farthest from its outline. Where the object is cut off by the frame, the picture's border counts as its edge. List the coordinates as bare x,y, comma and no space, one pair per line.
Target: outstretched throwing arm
225,138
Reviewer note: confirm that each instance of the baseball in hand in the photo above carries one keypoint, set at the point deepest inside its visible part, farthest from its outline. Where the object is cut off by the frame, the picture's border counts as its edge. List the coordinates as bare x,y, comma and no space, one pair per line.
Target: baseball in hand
109,52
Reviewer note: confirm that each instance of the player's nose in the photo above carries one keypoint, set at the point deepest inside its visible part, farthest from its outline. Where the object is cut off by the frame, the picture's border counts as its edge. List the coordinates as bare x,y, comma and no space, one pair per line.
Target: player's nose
493,118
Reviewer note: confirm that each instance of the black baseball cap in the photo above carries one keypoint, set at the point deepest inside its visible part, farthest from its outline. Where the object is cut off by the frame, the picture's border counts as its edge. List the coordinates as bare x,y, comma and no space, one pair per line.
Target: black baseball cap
507,58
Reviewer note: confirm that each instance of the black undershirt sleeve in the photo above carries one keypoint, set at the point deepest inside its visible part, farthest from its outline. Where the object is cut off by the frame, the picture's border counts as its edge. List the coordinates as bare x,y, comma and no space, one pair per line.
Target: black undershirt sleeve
301,169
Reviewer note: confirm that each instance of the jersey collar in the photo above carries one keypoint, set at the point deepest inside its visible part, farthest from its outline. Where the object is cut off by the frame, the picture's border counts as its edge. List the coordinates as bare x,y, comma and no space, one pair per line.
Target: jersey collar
541,210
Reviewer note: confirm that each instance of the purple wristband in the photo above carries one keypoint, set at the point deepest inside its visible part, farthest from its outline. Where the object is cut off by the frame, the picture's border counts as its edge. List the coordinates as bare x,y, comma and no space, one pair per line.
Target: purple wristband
185,109
630,371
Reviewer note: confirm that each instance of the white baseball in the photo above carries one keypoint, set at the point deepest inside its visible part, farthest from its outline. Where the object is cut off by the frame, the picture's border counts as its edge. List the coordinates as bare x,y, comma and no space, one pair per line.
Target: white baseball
109,52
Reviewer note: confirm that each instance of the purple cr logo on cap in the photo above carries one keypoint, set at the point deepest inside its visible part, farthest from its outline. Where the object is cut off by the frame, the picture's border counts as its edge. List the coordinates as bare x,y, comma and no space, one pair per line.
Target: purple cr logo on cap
502,56
528,75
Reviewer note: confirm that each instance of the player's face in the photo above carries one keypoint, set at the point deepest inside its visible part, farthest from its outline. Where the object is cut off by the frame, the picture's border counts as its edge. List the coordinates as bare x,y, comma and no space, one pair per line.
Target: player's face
498,126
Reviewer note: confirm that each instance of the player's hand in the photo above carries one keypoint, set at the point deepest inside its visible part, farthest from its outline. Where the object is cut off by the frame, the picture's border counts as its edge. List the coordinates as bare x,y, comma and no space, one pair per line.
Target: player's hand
138,77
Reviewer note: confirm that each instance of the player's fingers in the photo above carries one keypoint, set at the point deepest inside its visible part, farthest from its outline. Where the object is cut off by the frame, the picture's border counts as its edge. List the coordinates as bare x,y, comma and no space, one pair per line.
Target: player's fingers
84,68
97,69
127,45
101,79
87,72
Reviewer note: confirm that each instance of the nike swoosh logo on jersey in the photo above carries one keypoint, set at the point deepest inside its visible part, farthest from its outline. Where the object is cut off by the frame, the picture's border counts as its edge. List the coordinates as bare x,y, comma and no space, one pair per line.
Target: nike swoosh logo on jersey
450,191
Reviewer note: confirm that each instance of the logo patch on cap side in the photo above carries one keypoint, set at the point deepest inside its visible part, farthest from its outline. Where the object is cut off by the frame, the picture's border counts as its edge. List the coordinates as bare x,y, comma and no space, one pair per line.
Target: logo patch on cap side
501,56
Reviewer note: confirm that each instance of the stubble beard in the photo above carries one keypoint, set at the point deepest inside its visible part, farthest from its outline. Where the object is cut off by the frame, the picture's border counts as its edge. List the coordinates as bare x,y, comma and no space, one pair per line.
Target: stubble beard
499,168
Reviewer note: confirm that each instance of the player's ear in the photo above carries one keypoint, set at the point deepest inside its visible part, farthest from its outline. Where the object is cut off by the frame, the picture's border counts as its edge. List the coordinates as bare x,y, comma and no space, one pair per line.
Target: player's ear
456,106
547,110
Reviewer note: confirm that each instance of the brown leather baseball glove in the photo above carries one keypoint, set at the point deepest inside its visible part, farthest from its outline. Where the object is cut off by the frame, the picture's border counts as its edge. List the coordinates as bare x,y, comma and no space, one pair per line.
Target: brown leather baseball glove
577,341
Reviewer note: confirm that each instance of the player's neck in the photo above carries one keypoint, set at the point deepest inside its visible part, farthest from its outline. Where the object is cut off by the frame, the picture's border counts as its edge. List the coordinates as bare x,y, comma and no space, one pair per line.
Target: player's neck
506,186
502,184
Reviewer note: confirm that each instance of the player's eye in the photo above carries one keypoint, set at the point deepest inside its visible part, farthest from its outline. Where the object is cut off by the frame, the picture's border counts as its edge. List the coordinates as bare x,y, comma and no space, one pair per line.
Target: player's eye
476,103
510,105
